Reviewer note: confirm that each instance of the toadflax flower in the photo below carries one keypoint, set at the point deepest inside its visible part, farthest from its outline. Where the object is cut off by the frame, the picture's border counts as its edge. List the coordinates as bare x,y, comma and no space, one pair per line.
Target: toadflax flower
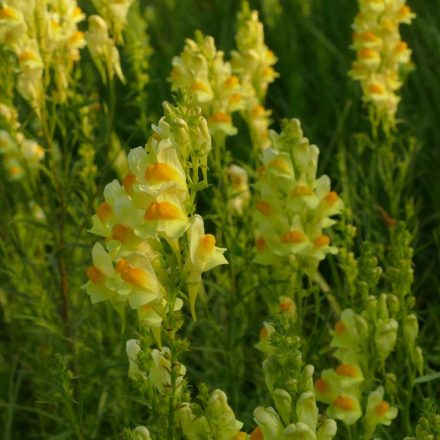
382,56
293,207
143,220
204,256
201,69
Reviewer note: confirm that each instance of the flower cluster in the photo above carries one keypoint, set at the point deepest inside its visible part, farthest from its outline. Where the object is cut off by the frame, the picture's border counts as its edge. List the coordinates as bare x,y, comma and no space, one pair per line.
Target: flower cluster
143,218
358,338
19,154
201,69
115,13
103,49
158,367
44,36
214,418
240,194
252,63
290,384
293,206
382,56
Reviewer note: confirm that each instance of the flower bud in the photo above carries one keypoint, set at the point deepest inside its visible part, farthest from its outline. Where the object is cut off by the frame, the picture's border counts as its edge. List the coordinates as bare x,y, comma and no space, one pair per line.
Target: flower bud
418,359
141,433
283,403
269,422
306,410
385,338
326,430
410,331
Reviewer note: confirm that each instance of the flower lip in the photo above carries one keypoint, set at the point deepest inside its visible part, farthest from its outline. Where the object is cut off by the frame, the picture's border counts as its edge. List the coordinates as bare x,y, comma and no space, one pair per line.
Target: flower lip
160,172
293,237
382,408
162,211
104,211
345,403
95,275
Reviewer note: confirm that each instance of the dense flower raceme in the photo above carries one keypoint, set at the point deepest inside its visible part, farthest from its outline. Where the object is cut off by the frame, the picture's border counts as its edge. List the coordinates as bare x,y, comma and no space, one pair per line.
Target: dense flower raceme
213,419
43,35
382,56
147,215
201,69
290,384
358,338
252,62
293,207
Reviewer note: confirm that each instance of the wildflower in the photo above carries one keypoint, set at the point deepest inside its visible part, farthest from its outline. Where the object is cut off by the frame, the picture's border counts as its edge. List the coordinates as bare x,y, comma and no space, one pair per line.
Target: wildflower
345,407
240,189
102,48
293,207
204,256
201,69
141,433
269,423
378,411
381,55
132,348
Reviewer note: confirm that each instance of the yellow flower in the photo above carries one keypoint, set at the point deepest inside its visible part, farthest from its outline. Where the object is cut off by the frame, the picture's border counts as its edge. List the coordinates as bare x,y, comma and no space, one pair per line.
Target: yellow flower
204,256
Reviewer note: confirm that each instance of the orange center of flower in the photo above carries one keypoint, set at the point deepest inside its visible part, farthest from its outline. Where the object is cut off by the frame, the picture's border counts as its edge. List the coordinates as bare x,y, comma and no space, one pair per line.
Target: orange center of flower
28,55
199,86
340,328
121,265
370,37
261,170
207,243
137,277
162,211
279,164
258,110
285,306
160,172
260,243
77,37
221,117
268,73
401,47
376,88
368,54
235,98
264,333
264,208
95,275
293,237
14,170
6,12
322,240
77,12
347,370
404,12
104,211
331,198
122,233
231,82
344,402
382,408
128,182
257,434
302,190
321,385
